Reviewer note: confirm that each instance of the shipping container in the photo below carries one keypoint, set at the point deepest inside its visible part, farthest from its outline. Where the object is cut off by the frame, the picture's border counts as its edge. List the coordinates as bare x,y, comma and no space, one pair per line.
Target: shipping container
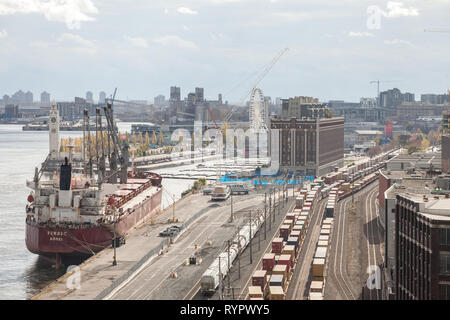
324,238
321,252
298,202
276,293
325,232
259,279
287,259
277,280
315,296
268,261
289,250
289,222
322,244
277,245
318,268
255,292
316,286
285,231
281,269
293,241
329,211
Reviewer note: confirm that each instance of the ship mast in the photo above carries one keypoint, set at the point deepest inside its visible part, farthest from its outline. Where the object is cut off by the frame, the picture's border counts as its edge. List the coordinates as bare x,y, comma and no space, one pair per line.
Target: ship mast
53,127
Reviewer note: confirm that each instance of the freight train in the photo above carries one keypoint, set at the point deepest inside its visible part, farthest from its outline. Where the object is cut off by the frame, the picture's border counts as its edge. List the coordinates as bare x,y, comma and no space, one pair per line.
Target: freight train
213,276
272,281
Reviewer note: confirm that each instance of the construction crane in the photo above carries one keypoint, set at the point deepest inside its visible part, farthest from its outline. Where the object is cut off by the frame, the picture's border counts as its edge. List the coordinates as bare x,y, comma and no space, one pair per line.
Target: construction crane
378,87
258,80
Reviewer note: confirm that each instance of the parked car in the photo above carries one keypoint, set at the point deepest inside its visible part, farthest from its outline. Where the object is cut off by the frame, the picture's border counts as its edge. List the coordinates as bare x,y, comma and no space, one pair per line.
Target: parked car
208,189
170,231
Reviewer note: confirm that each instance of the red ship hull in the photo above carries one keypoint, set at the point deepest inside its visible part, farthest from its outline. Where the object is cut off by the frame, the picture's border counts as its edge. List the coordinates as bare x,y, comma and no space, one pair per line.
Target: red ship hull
67,242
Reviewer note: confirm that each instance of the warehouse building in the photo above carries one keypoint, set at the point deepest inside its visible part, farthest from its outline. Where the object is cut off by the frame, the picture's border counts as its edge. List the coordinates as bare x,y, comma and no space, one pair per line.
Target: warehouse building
311,141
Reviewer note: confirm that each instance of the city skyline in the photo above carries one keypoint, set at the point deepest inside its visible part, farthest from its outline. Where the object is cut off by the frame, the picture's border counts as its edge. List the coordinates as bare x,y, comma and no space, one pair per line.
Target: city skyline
220,45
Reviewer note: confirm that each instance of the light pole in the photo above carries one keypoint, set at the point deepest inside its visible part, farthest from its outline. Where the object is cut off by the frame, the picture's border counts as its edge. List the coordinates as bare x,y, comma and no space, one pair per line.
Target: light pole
114,241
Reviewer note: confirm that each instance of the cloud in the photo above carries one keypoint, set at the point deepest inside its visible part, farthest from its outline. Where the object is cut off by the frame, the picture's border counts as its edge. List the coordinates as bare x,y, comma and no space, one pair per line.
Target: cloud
174,41
71,12
67,42
360,34
398,42
3,33
397,9
184,10
76,40
137,42
186,28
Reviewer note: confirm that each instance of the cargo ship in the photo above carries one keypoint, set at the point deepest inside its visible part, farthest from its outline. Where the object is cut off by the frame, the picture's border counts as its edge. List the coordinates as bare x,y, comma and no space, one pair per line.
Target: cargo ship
81,201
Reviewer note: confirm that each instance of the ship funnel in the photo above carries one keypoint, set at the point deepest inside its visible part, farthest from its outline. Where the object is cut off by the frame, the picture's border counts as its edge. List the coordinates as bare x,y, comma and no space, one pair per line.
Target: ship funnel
65,177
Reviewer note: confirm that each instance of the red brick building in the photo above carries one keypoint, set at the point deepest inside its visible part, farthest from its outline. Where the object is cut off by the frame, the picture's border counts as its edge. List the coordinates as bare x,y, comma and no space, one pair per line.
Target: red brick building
310,146
422,247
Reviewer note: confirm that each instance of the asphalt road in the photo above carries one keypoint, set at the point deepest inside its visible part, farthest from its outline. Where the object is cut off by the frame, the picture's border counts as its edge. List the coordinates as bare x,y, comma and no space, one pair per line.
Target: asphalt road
154,283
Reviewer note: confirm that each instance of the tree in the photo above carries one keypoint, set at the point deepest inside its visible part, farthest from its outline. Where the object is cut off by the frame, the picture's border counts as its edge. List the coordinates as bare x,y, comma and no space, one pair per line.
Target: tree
161,139
424,145
154,139
412,149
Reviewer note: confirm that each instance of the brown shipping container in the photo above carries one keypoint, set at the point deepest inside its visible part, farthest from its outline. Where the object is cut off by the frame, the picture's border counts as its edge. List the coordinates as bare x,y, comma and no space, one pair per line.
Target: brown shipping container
277,245
259,279
289,250
318,268
268,261
284,232
286,259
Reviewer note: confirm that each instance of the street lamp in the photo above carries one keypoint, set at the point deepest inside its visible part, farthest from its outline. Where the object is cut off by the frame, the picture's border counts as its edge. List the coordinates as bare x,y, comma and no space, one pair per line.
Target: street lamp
114,241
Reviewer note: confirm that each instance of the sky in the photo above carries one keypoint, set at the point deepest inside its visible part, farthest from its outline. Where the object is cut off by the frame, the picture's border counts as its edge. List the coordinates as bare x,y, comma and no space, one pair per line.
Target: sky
142,47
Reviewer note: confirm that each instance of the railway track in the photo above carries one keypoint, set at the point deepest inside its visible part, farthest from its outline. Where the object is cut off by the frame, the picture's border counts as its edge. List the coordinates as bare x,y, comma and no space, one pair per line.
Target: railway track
375,256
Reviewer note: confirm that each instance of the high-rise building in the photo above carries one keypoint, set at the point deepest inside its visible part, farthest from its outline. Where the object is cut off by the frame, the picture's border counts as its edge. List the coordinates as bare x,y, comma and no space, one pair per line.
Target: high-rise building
6,99
394,97
28,98
199,95
311,142
45,97
160,101
11,111
102,97
175,94
434,98
89,96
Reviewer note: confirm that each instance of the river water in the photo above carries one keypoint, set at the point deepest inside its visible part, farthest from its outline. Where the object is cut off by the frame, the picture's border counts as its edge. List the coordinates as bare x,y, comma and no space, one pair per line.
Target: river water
23,274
